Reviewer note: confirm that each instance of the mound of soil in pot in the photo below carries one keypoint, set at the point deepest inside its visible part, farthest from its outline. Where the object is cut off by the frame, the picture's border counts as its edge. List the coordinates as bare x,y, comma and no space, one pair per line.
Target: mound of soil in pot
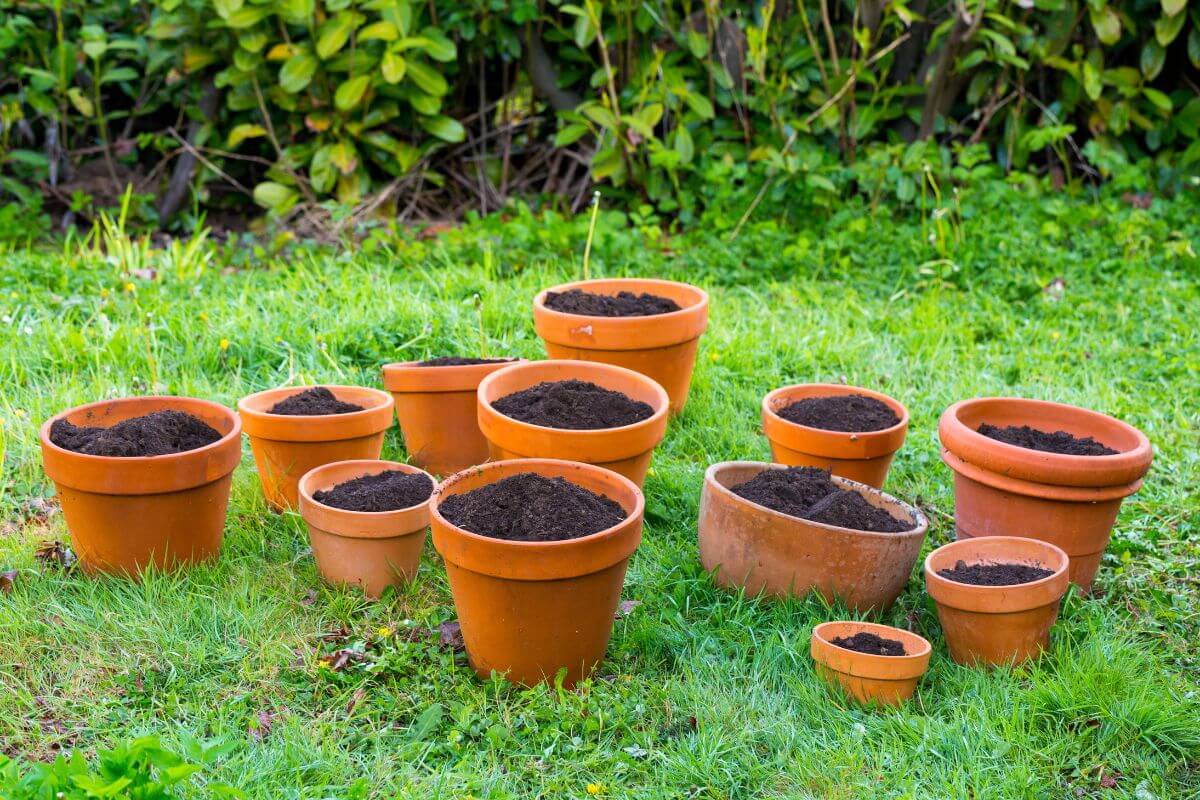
528,507
574,405
870,643
994,574
156,434
317,401
455,361
849,413
808,493
621,304
389,490
1047,442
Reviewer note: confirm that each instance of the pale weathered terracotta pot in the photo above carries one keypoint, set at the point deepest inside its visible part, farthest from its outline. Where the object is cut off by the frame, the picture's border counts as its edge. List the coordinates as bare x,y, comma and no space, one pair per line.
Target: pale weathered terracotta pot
125,514
753,548
870,679
1070,501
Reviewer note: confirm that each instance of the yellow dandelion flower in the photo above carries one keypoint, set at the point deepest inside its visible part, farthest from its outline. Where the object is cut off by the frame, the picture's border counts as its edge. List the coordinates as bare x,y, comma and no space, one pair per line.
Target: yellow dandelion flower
224,345
203,317
104,292
595,788
383,632
1054,335
129,287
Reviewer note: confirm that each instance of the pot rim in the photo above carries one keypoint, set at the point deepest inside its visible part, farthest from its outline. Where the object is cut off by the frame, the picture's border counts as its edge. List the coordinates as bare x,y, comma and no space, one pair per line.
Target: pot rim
870,665
307,486
403,377
539,300
372,419
998,599
855,445
641,333
1048,491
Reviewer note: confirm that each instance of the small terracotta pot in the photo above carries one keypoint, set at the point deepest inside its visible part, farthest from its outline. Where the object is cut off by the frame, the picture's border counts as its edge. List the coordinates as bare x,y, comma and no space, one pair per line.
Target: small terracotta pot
125,514
530,609
753,548
662,346
372,550
870,679
994,625
864,457
626,450
287,446
1070,501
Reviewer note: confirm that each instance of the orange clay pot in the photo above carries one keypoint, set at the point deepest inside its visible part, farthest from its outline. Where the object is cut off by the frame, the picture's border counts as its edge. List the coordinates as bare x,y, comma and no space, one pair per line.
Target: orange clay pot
662,346
125,514
753,548
372,550
530,609
436,409
285,446
863,457
626,450
994,625
870,679
1070,501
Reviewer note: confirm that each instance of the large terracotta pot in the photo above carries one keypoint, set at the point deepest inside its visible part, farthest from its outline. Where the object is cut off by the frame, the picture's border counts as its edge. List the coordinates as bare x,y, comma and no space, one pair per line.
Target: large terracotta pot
530,609
626,450
287,446
662,346
870,679
1070,501
755,549
125,514
864,457
372,550
995,625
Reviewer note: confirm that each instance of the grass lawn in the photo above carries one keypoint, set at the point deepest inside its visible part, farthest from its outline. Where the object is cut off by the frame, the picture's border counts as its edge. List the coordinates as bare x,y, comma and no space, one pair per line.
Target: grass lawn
704,693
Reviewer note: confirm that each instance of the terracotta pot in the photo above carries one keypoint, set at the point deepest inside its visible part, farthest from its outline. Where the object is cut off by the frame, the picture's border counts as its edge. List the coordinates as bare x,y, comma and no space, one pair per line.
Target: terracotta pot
1070,501
530,609
993,625
286,446
863,457
662,346
870,679
372,550
626,450
125,514
753,548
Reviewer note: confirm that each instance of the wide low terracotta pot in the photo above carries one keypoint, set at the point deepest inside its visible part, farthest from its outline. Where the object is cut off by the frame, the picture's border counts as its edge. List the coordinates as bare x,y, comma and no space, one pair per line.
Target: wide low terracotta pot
125,514
870,679
753,548
864,457
626,450
1070,501
371,550
287,446
996,625
531,609
436,410
662,346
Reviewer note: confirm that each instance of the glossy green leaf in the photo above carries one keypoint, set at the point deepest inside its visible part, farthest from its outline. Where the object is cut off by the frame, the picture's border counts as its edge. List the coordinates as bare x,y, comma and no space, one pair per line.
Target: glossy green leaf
275,196
570,134
226,8
351,92
297,72
241,133
1106,24
393,67
427,78
444,128
1167,28
1173,7
1153,56
334,34
379,31
247,16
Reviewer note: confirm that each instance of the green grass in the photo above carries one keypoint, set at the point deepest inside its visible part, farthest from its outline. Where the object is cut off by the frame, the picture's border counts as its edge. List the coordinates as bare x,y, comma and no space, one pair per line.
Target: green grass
704,693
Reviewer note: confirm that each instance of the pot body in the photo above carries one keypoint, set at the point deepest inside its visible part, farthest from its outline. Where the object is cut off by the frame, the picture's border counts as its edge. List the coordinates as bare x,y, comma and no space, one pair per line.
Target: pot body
755,549
529,610
662,347
870,679
125,514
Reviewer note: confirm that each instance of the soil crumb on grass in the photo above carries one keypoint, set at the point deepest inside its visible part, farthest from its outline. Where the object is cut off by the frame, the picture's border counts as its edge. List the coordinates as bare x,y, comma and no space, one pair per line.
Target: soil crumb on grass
621,304
389,490
316,401
157,434
849,413
456,361
994,574
574,405
1056,442
528,507
808,493
870,643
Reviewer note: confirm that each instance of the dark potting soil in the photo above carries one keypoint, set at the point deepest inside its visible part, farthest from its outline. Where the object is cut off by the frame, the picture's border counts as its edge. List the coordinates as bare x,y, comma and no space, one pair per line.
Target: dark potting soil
316,401
574,405
1056,442
994,574
621,304
387,491
455,361
870,643
808,493
528,507
850,413
157,434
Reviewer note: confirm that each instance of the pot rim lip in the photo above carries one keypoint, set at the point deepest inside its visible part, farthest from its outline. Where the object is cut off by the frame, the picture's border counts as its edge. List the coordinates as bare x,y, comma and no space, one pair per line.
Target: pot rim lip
818,632
848,435
539,301
416,366
302,489
922,522
235,432
382,396
931,574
